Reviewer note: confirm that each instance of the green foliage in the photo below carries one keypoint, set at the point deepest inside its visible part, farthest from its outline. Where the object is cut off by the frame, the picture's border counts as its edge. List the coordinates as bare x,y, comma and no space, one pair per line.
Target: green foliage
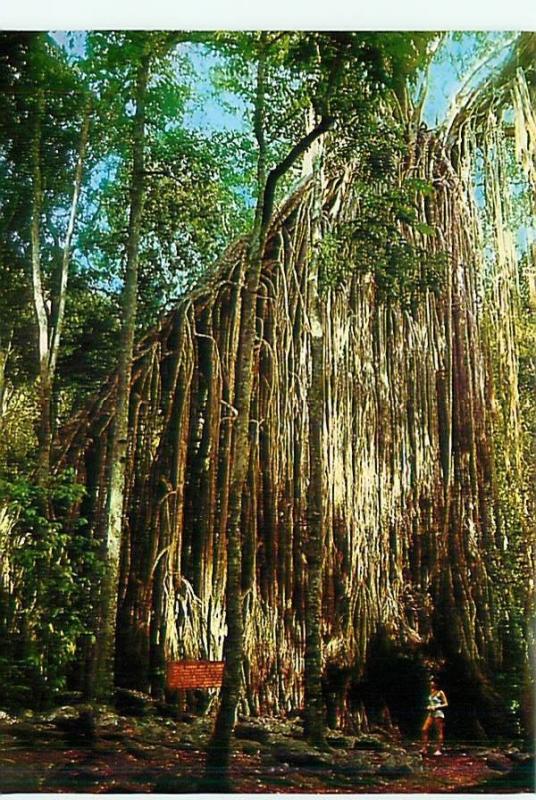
386,238
48,567
17,428
463,51
194,203
194,206
31,64
341,76
89,346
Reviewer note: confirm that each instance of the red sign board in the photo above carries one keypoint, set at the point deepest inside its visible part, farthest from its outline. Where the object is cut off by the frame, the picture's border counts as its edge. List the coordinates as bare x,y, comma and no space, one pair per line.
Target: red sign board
194,674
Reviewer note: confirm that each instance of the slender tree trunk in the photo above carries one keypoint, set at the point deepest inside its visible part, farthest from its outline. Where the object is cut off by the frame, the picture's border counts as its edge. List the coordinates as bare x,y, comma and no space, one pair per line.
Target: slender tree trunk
59,310
314,728
220,747
4,358
314,707
219,751
49,334
105,653
41,315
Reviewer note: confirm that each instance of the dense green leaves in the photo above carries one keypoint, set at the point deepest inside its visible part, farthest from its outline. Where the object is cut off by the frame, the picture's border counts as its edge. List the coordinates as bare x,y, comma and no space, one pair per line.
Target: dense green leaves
31,64
47,570
386,235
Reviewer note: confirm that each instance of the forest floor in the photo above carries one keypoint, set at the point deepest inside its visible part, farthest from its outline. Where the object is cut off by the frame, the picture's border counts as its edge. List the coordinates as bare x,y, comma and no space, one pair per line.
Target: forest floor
77,749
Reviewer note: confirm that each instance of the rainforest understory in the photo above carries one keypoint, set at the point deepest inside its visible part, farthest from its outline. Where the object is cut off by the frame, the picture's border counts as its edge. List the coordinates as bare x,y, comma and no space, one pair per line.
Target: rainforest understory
317,465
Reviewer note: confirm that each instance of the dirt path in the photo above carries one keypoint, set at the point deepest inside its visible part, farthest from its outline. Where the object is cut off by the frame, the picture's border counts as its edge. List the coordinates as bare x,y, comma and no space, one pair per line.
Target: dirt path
466,771
125,755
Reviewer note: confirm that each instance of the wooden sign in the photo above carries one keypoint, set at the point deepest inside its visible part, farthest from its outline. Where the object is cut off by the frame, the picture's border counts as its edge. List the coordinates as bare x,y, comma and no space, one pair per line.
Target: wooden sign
194,674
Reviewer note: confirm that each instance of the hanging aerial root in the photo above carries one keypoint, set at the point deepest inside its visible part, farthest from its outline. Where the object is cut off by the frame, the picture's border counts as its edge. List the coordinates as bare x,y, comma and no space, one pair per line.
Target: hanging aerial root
409,485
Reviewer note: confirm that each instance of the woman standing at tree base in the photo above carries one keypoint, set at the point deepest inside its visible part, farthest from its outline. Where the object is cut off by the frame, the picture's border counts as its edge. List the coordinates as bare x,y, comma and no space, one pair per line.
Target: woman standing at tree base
435,718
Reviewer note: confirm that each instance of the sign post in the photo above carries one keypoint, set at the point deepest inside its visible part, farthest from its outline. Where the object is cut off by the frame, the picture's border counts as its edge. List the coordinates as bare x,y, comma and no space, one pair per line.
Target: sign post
189,674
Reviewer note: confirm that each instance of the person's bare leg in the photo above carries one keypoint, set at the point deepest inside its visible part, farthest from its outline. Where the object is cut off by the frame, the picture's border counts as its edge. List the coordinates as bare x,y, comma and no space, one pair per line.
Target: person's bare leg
425,731
440,727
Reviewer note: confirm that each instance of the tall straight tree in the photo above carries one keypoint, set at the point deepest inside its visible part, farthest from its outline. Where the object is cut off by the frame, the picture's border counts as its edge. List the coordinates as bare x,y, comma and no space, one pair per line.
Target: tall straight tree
314,721
219,751
50,325
137,57
143,82
105,654
41,316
